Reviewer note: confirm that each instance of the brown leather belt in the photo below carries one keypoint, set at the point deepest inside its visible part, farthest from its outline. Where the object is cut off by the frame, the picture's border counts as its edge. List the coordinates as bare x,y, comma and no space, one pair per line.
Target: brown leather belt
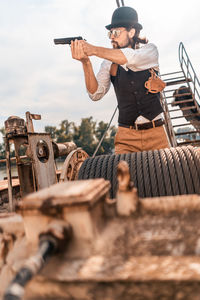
143,126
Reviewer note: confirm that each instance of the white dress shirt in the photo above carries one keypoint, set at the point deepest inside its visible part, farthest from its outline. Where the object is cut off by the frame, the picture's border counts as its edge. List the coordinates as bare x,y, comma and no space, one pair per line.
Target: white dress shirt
140,59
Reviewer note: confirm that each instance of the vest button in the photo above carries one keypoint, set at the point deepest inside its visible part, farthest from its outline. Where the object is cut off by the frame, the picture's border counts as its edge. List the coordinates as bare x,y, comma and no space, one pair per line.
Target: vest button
132,82
135,92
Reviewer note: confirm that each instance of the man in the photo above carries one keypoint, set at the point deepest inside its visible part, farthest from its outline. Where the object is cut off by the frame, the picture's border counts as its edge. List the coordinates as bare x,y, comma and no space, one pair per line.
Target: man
128,68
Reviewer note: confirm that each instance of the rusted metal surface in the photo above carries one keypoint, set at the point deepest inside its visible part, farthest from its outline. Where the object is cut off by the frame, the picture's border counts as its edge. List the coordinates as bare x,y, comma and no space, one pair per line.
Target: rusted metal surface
15,126
24,166
63,149
84,192
13,158
127,197
72,164
128,247
29,122
42,157
8,171
36,168
4,200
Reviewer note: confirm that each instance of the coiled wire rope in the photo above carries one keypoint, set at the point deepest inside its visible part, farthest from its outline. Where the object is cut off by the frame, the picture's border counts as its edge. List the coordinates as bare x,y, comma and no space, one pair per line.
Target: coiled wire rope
165,172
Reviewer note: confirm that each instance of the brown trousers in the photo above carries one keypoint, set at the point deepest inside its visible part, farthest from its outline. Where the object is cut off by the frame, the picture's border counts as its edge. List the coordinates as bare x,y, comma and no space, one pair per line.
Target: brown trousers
131,140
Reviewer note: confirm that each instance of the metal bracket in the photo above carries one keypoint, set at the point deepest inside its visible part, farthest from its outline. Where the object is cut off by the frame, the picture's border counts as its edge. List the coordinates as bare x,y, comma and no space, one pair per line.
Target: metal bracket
29,122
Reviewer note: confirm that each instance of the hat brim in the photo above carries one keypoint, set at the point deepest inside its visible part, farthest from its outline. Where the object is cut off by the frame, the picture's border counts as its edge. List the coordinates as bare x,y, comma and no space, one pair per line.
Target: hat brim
116,25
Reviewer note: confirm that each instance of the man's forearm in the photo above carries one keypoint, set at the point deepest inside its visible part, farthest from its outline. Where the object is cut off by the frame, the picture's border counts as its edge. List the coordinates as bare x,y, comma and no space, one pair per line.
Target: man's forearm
90,79
114,55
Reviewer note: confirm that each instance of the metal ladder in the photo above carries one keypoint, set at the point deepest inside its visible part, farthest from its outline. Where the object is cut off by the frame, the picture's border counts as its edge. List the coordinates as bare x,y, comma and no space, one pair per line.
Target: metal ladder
182,114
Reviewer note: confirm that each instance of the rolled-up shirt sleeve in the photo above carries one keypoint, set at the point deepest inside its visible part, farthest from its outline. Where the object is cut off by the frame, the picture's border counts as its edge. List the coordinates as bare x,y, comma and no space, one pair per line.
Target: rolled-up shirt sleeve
103,79
141,59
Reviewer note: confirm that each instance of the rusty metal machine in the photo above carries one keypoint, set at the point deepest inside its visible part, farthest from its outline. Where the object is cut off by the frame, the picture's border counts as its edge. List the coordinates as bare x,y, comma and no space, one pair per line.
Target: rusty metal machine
73,241
127,228
35,154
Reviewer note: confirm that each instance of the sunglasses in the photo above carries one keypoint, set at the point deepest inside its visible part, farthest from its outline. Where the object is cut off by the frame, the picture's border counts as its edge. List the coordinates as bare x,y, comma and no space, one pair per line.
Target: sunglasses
115,32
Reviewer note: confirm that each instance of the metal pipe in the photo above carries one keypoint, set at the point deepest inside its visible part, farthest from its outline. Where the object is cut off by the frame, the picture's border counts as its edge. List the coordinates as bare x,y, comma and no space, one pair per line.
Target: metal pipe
60,149
16,289
9,175
56,235
13,158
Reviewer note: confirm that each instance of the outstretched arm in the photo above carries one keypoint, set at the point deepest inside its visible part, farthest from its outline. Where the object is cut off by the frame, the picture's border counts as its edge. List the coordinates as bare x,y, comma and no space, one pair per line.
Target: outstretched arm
78,54
114,55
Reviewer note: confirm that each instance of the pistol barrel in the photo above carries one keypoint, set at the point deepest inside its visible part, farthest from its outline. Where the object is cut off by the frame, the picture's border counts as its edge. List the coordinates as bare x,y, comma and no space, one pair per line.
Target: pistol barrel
67,41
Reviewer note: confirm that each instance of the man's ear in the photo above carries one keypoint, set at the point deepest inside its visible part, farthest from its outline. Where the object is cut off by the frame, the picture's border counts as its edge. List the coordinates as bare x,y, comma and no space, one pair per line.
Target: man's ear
132,32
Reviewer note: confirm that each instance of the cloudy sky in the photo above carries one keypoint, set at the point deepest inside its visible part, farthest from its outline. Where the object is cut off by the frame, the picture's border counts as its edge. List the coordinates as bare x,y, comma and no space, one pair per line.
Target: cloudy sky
39,77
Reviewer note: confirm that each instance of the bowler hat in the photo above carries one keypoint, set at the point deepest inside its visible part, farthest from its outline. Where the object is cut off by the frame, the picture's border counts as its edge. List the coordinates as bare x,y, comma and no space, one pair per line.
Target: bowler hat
124,16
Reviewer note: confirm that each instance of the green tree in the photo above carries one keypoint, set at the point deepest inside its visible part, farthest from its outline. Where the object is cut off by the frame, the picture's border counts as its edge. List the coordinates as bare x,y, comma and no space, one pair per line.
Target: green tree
52,130
62,134
107,144
84,135
2,145
2,131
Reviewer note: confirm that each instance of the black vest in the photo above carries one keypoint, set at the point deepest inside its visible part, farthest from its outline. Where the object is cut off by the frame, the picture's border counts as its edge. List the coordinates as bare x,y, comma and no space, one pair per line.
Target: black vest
132,97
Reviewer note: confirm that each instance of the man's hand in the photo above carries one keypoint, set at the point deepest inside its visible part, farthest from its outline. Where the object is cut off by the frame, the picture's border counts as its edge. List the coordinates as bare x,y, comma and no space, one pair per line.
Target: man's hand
114,55
88,49
78,52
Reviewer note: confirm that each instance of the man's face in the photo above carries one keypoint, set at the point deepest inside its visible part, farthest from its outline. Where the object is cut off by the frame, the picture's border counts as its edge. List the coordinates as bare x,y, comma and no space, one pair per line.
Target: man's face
121,38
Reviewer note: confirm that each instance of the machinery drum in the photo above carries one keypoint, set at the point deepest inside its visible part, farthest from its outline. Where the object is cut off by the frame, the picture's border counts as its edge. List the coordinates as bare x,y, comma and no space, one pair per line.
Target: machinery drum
166,172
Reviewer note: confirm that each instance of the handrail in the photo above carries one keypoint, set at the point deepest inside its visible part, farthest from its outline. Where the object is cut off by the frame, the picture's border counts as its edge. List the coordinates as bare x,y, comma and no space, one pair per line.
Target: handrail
189,71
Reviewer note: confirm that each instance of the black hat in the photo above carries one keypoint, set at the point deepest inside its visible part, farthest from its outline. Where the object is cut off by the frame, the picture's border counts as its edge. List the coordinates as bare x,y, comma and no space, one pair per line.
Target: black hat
124,16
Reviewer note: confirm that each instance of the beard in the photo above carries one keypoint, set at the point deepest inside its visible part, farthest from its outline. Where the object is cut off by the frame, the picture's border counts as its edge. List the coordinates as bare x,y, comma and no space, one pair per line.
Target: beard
115,45
126,44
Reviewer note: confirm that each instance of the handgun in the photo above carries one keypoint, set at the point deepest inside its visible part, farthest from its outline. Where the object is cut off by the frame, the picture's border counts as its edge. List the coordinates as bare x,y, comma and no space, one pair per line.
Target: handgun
67,41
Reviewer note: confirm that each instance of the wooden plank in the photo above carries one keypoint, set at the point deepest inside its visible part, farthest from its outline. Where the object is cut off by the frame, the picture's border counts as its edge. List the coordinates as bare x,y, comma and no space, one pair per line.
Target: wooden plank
4,184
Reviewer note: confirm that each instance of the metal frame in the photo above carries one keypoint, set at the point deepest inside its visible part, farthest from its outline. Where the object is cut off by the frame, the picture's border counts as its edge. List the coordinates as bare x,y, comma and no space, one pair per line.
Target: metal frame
189,72
188,76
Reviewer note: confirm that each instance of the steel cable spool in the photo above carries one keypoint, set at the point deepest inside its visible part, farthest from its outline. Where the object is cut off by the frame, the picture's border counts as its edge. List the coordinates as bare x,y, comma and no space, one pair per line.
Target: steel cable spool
172,171
184,172
93,166
88,168
159,173
179,171
146,173
196,168
113,173
105,166
165,172
82,169
152,174
186,169
133,169
140,176
110,171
